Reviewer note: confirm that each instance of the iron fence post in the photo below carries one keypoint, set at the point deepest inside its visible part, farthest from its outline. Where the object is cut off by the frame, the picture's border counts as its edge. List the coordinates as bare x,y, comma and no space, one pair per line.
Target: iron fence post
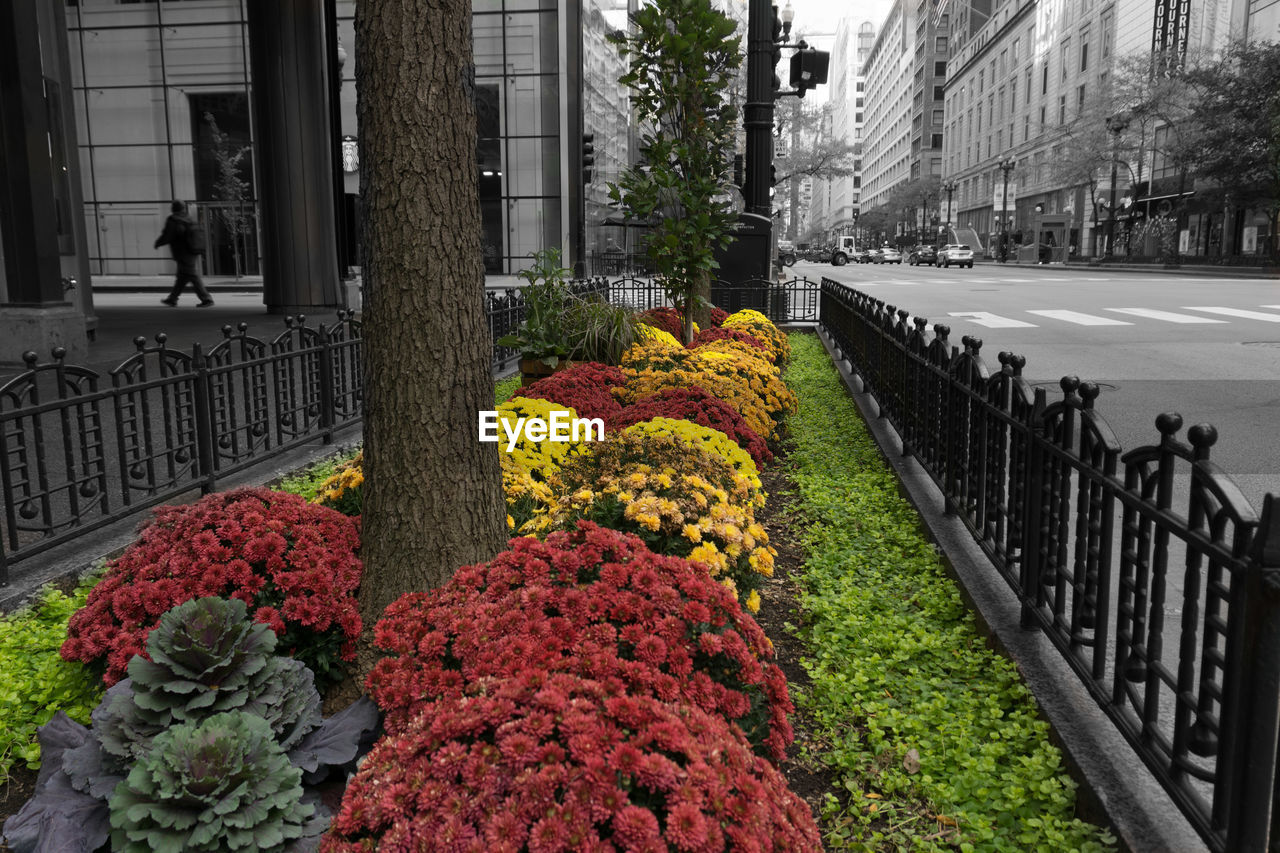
1251,708
327,404
1033,486
204,419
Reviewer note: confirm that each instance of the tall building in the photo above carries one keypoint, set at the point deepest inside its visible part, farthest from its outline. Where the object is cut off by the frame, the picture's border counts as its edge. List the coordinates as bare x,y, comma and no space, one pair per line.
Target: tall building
886,159
848,113
1022,73
1016,78
246,110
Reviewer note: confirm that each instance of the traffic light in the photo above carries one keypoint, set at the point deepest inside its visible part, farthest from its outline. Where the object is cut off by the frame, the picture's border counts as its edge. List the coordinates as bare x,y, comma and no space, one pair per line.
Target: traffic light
773,175
588,156
737,170
808,69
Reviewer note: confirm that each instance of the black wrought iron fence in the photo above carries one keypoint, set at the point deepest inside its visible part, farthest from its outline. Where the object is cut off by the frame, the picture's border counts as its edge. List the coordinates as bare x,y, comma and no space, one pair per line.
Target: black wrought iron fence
1150,572
79,449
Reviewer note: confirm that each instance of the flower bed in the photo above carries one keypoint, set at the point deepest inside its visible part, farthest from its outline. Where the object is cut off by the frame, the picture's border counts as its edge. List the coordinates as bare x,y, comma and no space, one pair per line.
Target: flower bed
294,563
590,601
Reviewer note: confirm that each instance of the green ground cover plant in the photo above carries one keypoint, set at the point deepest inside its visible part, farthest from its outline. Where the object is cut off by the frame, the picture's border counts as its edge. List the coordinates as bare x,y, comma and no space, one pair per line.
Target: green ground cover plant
37,682
935,740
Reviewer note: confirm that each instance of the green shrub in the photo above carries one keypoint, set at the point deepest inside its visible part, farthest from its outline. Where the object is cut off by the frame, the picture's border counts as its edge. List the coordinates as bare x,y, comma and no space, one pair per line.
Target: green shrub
898,665
37,682
310,480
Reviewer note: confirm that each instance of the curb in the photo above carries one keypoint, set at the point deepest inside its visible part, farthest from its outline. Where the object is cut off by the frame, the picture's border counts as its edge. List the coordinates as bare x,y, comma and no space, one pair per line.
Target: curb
1116,789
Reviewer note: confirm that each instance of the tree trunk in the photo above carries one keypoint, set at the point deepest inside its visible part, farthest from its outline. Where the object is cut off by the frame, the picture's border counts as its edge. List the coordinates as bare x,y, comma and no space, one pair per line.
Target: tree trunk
699,306
433,493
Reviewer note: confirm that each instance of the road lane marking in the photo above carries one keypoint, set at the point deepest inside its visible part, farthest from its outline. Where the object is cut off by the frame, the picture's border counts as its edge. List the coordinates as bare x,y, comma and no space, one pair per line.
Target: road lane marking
1167,316
991,321
1237,312
1080,319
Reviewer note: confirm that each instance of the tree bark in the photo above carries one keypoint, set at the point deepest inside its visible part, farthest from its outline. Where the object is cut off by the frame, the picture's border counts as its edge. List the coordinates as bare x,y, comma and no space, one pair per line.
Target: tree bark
433,493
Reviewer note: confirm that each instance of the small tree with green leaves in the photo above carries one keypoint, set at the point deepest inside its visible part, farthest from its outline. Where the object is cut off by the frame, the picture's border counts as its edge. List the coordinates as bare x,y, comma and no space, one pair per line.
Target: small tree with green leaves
231,189
683,55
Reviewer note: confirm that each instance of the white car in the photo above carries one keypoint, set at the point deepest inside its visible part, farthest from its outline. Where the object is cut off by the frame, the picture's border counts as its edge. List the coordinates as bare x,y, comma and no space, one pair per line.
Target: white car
955,253
889,255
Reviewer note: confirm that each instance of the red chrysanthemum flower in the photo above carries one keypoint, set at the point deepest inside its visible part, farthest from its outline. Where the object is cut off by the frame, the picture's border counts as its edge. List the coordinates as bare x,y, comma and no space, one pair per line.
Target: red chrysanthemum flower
507,616
696,783
293,563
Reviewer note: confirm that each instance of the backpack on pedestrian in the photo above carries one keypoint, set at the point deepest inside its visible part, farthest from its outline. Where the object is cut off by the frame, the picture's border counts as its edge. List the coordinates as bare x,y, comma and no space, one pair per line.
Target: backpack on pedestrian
195,239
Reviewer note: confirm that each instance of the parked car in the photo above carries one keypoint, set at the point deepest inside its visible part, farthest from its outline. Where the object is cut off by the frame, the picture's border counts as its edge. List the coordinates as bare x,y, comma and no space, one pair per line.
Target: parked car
922,255
889,255
867,256
955,253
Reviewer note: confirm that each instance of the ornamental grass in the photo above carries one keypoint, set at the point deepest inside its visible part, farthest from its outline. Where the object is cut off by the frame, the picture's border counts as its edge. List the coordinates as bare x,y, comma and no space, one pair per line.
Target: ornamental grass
696,406
293,563
594,602
557,762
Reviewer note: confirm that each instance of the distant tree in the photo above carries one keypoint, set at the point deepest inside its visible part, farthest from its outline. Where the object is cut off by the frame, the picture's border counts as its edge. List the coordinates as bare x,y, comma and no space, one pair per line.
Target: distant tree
683,57
1235,121
230,187
811,151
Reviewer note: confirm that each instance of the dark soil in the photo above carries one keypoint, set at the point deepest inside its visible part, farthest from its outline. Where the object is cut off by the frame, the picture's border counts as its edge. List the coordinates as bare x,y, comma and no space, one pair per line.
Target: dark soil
780,607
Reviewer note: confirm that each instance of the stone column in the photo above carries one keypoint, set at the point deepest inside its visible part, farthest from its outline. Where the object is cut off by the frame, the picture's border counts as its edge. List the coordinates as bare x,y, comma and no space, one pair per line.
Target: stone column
35,313
291,75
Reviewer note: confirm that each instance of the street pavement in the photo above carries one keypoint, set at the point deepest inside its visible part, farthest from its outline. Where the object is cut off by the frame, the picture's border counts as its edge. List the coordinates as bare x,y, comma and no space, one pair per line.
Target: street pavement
1207,347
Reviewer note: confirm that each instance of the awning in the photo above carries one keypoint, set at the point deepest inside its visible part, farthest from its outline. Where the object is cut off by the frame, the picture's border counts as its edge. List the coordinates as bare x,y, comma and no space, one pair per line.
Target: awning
1146,199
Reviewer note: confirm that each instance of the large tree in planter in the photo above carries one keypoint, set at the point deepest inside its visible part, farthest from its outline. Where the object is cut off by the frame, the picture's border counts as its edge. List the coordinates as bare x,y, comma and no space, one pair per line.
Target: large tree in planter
683,58
433,493
1236,128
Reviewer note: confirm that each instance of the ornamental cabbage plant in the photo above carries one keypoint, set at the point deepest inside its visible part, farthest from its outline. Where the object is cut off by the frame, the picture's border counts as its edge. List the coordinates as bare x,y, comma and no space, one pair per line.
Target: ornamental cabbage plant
220,784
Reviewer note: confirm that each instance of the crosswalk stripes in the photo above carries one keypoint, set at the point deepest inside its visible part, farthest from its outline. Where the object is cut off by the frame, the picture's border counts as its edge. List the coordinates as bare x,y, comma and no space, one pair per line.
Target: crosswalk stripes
1080,318
996,321
1236,312
1167,316
991,321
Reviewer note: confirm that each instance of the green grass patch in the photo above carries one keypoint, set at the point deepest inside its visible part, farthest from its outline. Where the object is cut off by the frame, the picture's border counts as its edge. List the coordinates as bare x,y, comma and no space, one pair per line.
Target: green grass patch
898,664
37,682
505,389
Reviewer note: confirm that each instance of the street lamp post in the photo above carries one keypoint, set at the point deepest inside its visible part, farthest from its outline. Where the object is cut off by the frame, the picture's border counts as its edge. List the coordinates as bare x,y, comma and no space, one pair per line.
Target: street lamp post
1007,165
950,187
1116,124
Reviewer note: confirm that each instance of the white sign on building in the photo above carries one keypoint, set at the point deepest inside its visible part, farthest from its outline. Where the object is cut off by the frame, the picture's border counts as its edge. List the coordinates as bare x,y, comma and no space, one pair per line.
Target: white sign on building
998,202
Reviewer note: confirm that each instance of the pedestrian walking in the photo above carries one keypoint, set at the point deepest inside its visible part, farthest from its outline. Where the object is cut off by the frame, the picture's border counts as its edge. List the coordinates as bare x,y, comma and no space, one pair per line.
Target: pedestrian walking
185,240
